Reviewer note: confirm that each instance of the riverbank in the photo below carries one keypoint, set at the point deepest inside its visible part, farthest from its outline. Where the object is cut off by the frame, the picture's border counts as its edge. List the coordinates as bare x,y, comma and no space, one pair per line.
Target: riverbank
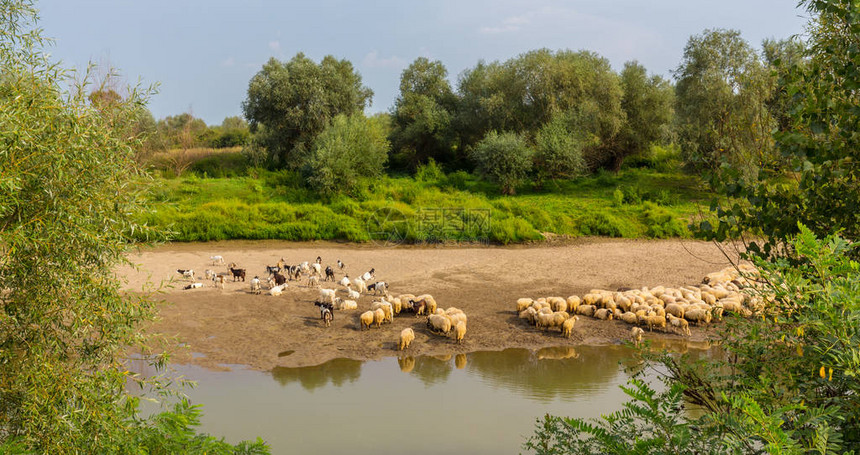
215,328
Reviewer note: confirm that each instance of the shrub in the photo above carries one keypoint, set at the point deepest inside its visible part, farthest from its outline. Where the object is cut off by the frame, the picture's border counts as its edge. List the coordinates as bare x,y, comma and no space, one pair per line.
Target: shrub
503,158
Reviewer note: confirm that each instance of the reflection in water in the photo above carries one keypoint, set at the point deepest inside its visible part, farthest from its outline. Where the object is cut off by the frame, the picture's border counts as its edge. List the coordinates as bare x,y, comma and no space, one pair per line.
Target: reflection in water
557,353
338,371
432,370
407,364
460,361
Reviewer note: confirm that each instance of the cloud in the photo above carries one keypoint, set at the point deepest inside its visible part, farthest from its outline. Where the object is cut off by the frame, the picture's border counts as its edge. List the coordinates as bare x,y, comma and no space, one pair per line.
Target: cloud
510,24
275,46
372,60
230,61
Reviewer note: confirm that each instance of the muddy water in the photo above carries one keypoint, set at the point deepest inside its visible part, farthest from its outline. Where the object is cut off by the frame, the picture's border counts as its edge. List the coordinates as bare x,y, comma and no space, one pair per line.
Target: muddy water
481,402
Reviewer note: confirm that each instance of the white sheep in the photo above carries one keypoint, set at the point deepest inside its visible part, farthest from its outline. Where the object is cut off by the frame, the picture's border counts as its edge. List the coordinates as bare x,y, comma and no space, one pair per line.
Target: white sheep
406,337
378,317
386,307
439,324
567,326
679,323
523,303
366,319
636,335
277,290
460,331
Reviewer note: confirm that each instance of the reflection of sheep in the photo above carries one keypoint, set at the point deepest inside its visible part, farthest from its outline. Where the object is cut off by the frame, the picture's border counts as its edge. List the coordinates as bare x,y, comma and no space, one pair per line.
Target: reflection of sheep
460,332
636,335
567,326
406,337
460,361
366,319
407,364
439,324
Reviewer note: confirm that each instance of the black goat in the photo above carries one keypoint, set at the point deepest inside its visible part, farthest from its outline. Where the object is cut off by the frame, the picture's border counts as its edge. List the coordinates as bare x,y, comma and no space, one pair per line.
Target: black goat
329,273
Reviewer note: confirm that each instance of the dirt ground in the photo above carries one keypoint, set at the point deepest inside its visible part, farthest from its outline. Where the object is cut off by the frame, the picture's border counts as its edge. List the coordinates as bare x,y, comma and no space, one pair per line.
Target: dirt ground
216,328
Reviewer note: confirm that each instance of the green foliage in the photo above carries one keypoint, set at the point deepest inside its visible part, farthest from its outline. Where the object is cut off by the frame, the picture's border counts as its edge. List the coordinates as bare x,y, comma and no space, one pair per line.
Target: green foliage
647,105
721,94
822,148
430,172
70,203
558,151
422,115
351,147
784,382
295,101
503,158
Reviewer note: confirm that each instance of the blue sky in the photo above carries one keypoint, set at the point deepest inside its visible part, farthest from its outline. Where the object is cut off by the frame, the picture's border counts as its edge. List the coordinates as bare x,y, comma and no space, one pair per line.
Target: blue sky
204,52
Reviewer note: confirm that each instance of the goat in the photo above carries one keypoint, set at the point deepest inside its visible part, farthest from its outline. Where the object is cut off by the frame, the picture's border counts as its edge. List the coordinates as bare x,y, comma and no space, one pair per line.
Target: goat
340,264
193,286
377,287
368,275
326,312
417,307
255,285
237,273
329,273
270,269
186,273
279,279
218,259
319,260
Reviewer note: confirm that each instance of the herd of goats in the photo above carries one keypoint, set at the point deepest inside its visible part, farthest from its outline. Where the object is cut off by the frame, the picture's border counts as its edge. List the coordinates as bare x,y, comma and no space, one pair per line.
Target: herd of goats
660,307
382,310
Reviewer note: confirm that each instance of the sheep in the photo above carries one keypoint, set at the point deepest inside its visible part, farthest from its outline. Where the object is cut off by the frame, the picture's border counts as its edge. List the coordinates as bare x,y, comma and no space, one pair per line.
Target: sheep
186,273
193,286
378,317
557,303
654,320
636,336
603,314
457,317
586,310
698,316
438,324
567,326
460,332
255,285
406,337
327,295
429,302
675,310
573,303
345,281
346,304
529,315
544,320
629,318
396,303
277,290
217,259
366,319
386,307
679,323
523,303
313,281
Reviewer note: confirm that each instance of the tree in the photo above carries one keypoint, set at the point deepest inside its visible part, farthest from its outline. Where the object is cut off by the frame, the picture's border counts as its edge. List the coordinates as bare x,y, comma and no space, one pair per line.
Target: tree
647,105
721,92
422,115
349,149
503,158
70,195
559,151
296,100
523,94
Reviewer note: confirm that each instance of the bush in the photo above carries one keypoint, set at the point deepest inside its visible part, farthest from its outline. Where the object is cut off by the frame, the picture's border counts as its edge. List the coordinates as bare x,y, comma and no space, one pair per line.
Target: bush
558,153
503,158
349,148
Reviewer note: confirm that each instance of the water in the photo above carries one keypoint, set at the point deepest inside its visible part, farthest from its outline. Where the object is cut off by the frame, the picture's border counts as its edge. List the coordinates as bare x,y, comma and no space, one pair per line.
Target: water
482,402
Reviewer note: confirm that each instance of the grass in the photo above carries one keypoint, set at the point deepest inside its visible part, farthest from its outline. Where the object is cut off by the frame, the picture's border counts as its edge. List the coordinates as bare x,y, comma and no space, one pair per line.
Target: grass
260,204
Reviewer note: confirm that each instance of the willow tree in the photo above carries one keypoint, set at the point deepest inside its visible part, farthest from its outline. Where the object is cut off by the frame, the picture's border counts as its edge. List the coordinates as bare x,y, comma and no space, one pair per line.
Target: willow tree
69,199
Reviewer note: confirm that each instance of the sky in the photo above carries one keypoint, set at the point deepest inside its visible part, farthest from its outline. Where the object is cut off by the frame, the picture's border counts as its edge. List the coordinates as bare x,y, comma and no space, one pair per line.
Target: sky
203,53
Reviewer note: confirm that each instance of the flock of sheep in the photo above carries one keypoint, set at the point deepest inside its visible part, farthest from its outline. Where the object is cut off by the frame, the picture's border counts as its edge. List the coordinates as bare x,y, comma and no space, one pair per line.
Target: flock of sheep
383,308
660,307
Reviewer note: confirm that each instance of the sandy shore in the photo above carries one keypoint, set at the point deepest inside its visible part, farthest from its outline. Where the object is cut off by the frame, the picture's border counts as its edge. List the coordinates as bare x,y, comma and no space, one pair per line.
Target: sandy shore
216,327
